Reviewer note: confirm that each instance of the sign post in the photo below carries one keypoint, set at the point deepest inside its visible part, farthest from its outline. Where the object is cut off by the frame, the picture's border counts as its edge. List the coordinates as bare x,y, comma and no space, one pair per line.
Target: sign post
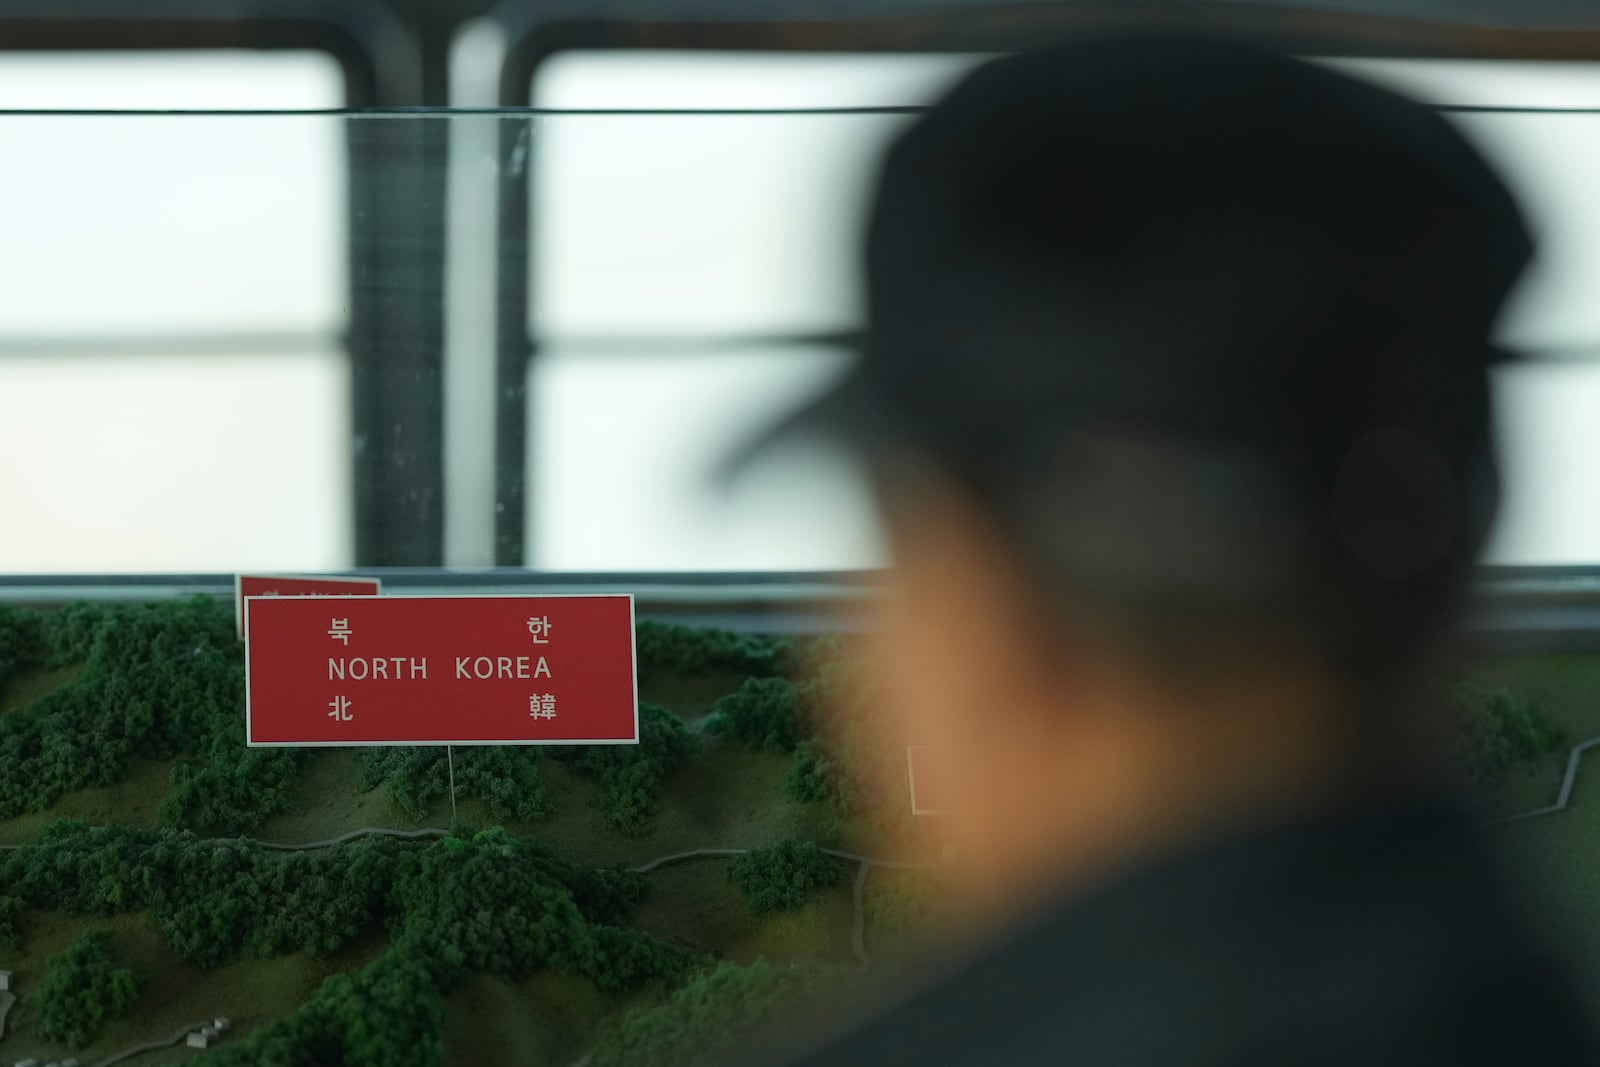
450,763
929,784
410,670
930,787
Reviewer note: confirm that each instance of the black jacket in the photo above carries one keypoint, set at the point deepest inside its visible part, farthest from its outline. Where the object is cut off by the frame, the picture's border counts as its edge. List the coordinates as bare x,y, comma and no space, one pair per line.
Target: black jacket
1371,940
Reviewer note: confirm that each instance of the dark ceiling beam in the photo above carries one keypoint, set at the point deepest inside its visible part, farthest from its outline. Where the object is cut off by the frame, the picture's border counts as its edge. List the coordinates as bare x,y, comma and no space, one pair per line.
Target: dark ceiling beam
538,30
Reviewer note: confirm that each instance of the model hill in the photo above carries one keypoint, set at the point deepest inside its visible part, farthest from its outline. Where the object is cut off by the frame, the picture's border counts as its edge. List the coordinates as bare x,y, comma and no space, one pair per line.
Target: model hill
160,875
662,903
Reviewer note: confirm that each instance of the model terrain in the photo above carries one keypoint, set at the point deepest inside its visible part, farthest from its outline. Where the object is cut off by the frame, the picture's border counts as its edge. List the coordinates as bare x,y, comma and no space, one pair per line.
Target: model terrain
630,904
649,904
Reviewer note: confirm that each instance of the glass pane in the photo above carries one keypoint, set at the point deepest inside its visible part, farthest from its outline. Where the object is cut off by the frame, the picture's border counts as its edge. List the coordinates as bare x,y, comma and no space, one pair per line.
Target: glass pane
1548,415
1548,410
175,390
1552,163
119,227
747,224
673,258
624,447
695,246
192,463
688,79
686,224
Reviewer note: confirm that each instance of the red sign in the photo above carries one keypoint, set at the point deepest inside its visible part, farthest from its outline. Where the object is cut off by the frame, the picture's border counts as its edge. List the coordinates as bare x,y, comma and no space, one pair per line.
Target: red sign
930,784
248,585
464,670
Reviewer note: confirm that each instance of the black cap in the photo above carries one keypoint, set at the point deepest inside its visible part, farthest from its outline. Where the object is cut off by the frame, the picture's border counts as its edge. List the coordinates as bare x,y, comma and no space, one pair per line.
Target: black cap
1204,243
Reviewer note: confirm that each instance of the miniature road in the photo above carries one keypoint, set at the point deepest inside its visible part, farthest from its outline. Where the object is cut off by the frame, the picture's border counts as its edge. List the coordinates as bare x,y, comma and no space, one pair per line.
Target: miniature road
351,835
1567,782
150,1046
858,932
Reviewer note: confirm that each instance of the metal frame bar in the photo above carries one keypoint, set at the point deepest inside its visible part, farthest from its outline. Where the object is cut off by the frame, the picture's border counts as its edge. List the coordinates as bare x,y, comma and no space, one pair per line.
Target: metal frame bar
1556,610
396,338
368,41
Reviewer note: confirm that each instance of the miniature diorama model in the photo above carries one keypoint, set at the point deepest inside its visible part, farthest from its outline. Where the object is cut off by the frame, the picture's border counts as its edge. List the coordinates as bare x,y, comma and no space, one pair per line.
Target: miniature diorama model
169,891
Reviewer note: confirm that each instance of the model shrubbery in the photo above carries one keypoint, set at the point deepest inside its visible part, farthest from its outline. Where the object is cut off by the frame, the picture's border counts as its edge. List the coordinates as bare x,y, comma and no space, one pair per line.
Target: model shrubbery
630,775
1497,733
683,650
765,713
814,780
167,679
780,876
899,902
22,641
82,990
489,904
837,773
388,1014
493,904
236,790
505,777
712,1016
10,922
220,900
158,680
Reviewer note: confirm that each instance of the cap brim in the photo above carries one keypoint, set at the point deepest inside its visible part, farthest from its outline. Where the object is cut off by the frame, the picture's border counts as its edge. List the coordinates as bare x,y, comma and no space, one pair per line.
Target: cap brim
849,413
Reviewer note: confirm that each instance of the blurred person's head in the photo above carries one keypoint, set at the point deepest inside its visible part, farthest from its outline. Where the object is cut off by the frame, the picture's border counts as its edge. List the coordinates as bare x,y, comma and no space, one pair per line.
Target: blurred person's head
1175,396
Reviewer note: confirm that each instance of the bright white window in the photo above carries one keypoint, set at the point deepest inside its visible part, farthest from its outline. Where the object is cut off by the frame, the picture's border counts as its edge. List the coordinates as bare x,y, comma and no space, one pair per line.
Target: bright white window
1549,405
175,390
659,239
656,230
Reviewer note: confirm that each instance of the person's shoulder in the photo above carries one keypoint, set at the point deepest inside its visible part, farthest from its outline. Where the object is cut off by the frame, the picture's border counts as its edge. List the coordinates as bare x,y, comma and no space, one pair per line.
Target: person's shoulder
1369,941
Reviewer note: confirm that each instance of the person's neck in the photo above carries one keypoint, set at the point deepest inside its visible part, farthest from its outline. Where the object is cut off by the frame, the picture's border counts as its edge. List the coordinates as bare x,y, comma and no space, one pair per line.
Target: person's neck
1145,774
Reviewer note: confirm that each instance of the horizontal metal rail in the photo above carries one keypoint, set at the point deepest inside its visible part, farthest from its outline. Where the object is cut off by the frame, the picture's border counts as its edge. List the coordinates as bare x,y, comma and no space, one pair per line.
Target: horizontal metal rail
1512,609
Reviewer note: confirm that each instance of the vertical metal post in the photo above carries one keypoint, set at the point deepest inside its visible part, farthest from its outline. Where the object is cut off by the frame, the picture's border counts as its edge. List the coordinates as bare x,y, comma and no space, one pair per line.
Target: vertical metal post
450,762
397,185
515,347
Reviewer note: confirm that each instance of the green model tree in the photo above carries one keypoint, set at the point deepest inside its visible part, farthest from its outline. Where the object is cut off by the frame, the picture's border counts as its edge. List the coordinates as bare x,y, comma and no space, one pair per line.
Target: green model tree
82,990
388,1014
22,643
10,922
506,778
769,713
157,680
815,780
1497,733
660,646
237,790
630,776
780,876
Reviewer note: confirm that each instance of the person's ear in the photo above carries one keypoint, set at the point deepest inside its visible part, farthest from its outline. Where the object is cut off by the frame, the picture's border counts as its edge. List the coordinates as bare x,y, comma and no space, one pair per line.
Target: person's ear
965,625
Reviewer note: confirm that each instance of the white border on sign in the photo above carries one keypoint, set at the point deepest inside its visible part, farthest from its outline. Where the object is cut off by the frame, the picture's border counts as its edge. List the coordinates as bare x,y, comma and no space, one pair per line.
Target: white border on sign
911,774
633,665
238,590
